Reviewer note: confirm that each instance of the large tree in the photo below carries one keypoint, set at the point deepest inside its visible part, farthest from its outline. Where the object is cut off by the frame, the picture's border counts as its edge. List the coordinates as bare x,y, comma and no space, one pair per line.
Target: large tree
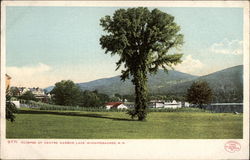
10,107
199,93
14,91
142,38
66,93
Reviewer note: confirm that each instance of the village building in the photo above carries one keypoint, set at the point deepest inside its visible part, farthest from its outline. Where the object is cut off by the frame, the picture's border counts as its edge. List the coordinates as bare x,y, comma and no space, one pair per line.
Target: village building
172,104
156,104
22,90
115,105
39,93
185,104
163,104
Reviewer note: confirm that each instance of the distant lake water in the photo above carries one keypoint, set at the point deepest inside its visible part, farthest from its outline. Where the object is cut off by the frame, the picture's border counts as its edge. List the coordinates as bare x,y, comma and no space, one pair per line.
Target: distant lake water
225,107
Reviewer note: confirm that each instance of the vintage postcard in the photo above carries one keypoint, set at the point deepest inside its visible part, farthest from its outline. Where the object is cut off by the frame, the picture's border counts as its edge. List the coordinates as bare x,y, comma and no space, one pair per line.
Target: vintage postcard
124,80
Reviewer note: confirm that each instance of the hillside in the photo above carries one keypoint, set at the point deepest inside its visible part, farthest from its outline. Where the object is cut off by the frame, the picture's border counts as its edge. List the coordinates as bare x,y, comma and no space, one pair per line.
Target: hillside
226,84
114,85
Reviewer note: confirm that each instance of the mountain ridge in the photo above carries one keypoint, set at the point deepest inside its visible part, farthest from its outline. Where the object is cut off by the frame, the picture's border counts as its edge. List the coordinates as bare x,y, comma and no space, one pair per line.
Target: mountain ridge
225,83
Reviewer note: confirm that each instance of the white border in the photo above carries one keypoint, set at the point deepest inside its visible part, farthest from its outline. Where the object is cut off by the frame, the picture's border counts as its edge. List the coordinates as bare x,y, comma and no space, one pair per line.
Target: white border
133,149
130,3
2,86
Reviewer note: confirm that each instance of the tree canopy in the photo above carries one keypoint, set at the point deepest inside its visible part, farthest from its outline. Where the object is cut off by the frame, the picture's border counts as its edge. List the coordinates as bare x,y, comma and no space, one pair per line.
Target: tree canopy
28,95
142,38
199,93
14,91
10,107
66,92
93,99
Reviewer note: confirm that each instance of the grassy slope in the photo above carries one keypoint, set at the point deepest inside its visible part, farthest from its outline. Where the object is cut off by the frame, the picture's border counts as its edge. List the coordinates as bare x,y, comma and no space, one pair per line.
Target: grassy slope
102,125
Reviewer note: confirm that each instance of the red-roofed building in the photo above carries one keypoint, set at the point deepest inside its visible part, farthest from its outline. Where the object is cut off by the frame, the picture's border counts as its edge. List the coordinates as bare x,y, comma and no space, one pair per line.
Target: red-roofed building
116,105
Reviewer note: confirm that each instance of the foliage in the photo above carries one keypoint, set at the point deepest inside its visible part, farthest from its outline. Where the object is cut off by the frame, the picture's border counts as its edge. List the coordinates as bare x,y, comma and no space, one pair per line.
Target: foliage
117,125
103,98
45,106
227,85
10,108
129,98
93,99
115,99
89,99
28,95
14,92
66,92
199,93
142,38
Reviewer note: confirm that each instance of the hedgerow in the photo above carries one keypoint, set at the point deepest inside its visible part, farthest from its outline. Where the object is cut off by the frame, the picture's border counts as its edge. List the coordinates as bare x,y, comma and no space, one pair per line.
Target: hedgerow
46,106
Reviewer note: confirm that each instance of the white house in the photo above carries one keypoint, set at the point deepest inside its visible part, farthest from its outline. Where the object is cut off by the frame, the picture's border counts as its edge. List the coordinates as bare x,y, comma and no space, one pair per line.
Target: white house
116,105
17,103
22,90
163,104
37,91
185,104
156,104
173,104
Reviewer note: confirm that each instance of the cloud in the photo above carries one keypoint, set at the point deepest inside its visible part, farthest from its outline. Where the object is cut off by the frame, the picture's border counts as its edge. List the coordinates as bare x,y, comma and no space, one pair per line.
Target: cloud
234,47
190,65
43,75
32,75
28,70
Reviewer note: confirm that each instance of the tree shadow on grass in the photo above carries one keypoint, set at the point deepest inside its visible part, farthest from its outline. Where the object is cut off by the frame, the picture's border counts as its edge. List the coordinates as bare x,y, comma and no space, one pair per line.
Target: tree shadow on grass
91,115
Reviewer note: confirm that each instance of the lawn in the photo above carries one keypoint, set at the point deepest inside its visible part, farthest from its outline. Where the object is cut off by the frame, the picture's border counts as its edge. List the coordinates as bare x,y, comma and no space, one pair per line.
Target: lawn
112,125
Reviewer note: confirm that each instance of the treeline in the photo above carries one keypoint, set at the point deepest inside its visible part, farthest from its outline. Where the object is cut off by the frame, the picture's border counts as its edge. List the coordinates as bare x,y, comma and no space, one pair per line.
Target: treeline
67,93
51,107
228,97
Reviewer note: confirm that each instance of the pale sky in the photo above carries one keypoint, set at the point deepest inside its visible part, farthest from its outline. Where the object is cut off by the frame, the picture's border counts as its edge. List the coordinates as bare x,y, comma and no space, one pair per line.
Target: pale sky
45,45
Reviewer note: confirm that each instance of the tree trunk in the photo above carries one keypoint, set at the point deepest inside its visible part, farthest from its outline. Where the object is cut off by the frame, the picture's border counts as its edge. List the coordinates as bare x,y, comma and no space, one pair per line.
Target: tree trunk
140,82
200,106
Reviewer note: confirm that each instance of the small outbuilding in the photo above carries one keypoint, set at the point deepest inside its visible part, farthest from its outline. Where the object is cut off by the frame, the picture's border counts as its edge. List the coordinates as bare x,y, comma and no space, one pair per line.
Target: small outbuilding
172,104
115,105
17,103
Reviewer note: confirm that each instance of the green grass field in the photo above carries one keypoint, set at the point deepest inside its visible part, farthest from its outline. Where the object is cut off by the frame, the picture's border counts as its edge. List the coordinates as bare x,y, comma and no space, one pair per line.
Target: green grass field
113,125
